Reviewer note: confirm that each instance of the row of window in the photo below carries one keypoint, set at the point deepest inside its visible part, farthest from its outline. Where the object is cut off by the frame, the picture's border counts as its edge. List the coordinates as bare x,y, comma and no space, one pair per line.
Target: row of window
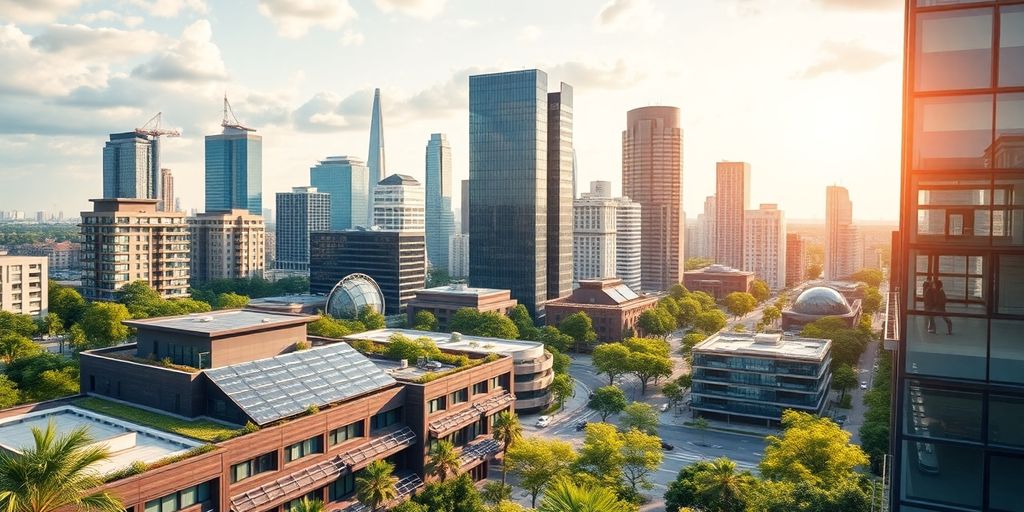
978,283
181,499
445,402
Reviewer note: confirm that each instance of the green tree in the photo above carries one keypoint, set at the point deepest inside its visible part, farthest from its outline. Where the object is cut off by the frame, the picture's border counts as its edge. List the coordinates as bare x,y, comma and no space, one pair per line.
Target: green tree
520,316
579,326
657,321
775,496
770,315
14,346
647,367
739,303
400,346
553,338
444,460
538,461
308,505
376,485
371,318
508,431
53,384
566,496
455,495
490,324
871,276
843,378
139,298
562,387
811,449
707,302
691,340
813,270
9,396
677,291
22,325
608,400
52,324
872,302
640,416
437,276
102,324
710,321
232,301
721,487
611,359
685,381
495,492
509,506
696,263
601,454
689,309
66,303
847,343
673,393
424,321
641,456
328,327
56,473
559,362
759,290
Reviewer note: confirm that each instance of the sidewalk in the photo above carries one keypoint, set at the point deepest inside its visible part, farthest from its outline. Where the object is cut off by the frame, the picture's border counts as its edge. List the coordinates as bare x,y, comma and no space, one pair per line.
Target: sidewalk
683,417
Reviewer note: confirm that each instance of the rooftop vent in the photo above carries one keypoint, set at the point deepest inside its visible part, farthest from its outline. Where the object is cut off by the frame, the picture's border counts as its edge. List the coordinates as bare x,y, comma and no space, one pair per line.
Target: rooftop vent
265,320
456,337
767,339
204,319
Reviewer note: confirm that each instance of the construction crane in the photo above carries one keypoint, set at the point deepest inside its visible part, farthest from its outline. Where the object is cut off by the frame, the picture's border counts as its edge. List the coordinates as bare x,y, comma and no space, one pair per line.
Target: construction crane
230,121
153,131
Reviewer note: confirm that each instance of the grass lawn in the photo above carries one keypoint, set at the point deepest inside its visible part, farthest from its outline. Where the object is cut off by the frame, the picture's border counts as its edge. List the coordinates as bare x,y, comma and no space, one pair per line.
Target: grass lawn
202,430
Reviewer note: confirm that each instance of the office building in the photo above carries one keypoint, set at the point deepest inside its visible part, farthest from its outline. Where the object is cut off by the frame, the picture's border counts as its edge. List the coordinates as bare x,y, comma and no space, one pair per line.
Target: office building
718,280
755,377
612,306
693,236
840,235
234,168
628,244
732,200
958,395
440,221
512,219
299,213
708,230
131,166
652,175
396,260
166,203
269,250
594,234
227,245
458,256
346,180
764,245
599,188
818,302
561,192
444,301
464,208
375,162
126,240
796,260
24,281
398,204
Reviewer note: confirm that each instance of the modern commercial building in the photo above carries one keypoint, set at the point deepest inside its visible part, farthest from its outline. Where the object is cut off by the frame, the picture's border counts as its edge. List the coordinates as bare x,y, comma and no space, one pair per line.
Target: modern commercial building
532,367
510,185
844,244
754,377
458,256
375,161
628,243
398,204
796,260
234,168
652,175
299,213
595,223
708,230
23,285
612,306
227,245
444,301
958,394
125,240
440,222
819,302
464,208
732,200
764,245
166,203
346,180
131,166
561,179
396,260
718,280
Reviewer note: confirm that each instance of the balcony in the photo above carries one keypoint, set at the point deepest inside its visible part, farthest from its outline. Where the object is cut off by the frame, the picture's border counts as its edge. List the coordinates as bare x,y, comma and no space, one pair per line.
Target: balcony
534,403
541,382
891,325
535,365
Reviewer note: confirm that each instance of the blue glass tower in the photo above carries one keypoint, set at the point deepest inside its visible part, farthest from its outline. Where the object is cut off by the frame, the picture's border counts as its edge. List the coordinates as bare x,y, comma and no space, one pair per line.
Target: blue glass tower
346,179
131,166
440,221
375,159
234,170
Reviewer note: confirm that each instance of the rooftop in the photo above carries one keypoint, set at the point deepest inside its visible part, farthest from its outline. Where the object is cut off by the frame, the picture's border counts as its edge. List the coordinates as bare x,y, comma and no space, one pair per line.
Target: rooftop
718,269
410,372
460,343
220,323
765,345
304,299
399,179
462,289
602,291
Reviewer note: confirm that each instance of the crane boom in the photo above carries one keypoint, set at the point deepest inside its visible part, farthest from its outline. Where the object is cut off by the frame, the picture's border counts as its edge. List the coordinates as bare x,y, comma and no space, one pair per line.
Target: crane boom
153,128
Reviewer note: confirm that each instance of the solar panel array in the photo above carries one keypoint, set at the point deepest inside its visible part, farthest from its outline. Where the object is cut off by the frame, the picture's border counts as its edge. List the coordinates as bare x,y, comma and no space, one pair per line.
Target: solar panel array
271,389
621,293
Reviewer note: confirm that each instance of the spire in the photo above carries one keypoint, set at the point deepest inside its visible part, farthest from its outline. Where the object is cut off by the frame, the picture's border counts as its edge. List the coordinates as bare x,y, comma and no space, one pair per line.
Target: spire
375,158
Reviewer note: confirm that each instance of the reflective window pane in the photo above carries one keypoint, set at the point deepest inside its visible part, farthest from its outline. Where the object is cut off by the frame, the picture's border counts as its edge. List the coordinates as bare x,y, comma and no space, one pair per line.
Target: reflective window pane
1004,492
1011,45
944,283
954,50
960,355
952,132
942,473
1007,151
1006,363
941,413
1005,417
1010,291
1008,214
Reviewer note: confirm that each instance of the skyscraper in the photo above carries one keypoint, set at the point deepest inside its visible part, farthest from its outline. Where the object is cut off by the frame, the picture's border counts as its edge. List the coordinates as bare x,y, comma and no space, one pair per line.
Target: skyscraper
796,260
464,207
234,167
843,243
398,204
958,395
708,227
561,191
594,234
440,220
628,246
130,163
509,184
345,179
299,213
458,255
166,203
764,245
375,160
732,199
652,175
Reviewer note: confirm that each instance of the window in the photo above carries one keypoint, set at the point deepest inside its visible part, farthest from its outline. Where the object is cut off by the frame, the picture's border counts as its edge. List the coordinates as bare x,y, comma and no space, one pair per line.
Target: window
261,464
962,278
1006,357
342,434
386,419
1005,416
480,388
952,132
182,499
942,473
942,413
342,487
293,505
458,397
960,355
953,50
1008,216
301,449
437,404
1011,46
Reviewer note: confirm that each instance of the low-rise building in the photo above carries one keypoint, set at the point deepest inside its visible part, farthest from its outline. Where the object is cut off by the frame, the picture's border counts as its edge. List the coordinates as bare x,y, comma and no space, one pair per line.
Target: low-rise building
754,377
613,307
444,301
23,285
718,280
60,255
819,302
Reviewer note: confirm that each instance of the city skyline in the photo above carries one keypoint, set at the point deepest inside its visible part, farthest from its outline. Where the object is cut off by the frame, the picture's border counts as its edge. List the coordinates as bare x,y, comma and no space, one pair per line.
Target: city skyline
182,64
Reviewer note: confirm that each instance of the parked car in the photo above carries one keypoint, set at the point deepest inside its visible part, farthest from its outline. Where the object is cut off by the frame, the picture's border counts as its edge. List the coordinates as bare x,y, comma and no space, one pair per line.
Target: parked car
664,407
581,425
863,384
543,421
667,447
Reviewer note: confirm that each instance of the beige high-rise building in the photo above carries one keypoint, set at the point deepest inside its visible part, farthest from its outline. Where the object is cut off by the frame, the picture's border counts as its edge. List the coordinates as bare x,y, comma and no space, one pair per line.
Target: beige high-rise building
764,245
594,234
844,243
227,245
652,175
166,203
796,260
732,199
23,285
125,240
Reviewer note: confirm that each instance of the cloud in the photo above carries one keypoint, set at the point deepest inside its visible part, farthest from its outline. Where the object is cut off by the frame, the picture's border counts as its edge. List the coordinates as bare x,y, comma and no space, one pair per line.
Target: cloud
466,23
32,72
170,8
352,38
425,9
862,5
82,42
329,112
36,11
111,16
582,75
845,57
530,33
295,18
634,14
193,58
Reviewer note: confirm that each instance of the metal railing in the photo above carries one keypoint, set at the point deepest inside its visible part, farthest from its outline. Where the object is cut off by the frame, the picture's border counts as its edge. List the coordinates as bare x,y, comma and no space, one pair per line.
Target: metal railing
891,326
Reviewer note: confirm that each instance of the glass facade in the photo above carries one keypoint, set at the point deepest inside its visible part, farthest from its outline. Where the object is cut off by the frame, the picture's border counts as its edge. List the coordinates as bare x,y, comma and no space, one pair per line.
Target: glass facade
440,221
375,164
234,171
299,213
394,260
347,180
131,166
959,391
561,178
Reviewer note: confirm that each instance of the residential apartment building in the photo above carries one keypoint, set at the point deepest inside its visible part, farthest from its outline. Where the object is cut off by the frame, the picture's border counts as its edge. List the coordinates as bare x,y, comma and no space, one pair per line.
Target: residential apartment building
125,240
613,307
444,301
227,245
346,180
23,285
796,260
594,234
732,200
166,203
299,213
628,244
709,234
398,204
59,255
458,256
764,245
844,243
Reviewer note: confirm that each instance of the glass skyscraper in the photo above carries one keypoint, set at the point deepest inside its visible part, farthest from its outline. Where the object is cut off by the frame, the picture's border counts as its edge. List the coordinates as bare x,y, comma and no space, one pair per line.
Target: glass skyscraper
958,440
561,192
299,213
131,166
346,179
234,170
440,219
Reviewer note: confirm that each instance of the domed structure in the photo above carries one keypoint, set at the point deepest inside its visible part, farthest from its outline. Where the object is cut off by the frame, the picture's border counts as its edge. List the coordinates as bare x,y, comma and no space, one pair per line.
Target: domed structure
352,294
821,301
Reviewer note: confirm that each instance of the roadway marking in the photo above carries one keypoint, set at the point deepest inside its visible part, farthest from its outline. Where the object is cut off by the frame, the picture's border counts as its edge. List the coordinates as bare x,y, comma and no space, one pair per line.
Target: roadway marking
695,457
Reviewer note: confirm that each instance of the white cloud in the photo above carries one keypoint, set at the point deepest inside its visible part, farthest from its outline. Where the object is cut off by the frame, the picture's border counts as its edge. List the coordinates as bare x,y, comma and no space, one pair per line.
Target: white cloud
864,5
632,14
530,33
845,57
32,71
352,38
100,44
295,18
425,9
585,75
170,8
112,17
193,58
466,23
36,11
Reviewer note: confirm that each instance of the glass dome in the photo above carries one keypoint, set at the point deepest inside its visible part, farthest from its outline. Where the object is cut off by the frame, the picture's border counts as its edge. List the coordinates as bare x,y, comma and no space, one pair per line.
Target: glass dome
821,301
352,294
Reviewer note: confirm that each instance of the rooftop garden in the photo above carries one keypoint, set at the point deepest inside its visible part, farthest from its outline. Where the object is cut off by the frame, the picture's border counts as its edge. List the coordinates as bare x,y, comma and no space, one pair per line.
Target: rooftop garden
129,355
203,430
402,347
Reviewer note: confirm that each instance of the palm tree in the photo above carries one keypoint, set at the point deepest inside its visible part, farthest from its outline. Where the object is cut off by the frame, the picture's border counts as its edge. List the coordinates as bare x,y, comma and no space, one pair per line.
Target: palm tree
507,430
722,488
55,474
376,485
565,496
308,505
444,460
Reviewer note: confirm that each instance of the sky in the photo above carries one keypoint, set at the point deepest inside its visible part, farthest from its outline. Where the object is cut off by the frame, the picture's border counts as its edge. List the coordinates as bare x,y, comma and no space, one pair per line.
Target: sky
807,91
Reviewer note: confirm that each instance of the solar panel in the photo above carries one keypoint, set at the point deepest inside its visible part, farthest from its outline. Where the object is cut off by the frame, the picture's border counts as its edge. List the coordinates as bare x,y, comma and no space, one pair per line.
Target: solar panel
271,389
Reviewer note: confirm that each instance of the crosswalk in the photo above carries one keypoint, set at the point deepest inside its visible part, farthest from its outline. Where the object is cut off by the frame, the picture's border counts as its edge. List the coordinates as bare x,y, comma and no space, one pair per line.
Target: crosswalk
688,458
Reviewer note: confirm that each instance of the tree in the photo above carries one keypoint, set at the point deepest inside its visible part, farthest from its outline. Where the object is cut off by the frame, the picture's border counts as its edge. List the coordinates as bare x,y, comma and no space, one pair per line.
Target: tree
53,384
56,473
8,392
611,359
566,496
689,308
843,378
308,505
232,301
18,324
538,461
455,495
102,324
720,487
640,416
657,321
608,400
437,276
691,340
601,454
759,290
559,361
775,496
872,302
52,324
770,315
685,381
508,431
472,322
739,303
579,326
710,321
495,492
871,276
647,367
847,343
508,506
553,338
400,346
520,316
641,456
14,346
811,449
677,291
562,388
371,318
139,298
444,460
673,393
376,485
424,321
696,263
66,303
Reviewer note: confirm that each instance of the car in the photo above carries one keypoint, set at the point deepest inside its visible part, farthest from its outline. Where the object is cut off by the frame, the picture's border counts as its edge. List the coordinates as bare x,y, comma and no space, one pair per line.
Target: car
543,421
581,425
667,447
664,407
864,384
